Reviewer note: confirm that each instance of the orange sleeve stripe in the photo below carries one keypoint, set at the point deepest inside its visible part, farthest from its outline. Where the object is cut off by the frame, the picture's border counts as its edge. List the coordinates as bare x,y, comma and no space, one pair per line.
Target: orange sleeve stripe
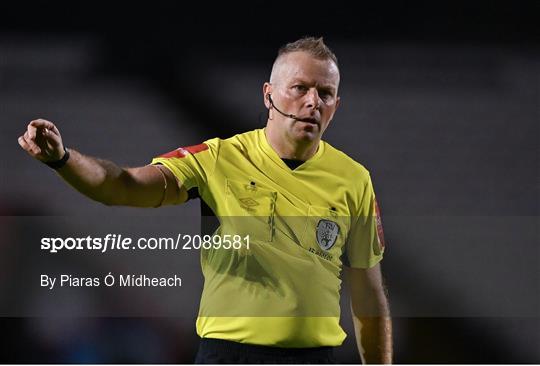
380,232
182,152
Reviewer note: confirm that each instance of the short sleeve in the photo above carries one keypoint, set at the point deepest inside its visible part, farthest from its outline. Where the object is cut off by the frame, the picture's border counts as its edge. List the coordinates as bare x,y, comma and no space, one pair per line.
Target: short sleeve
191,165
365,243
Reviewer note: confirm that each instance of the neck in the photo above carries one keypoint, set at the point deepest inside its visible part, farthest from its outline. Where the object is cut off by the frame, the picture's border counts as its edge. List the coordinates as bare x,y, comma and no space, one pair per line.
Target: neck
290,149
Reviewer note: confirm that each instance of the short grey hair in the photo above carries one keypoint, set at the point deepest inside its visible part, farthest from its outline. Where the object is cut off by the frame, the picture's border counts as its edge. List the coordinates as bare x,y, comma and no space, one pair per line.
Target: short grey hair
312,45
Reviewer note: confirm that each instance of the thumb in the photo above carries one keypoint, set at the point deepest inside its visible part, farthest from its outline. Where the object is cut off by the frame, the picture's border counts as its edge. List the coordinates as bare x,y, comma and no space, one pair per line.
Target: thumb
52,144
52,138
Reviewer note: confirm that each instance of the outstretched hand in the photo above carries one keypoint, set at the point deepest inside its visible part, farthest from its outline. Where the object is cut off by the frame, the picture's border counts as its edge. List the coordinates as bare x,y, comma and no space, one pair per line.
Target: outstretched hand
42,141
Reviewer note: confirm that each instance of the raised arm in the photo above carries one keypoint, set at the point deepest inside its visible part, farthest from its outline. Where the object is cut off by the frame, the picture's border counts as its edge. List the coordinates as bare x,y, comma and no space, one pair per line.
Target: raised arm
102,180
371,315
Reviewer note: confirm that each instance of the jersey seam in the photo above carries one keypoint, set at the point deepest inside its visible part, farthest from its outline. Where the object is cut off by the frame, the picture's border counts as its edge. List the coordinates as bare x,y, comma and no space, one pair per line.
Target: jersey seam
211,174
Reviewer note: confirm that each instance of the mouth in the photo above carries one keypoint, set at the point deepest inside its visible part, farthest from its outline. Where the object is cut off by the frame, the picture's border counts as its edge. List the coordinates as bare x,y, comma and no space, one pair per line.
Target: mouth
309,120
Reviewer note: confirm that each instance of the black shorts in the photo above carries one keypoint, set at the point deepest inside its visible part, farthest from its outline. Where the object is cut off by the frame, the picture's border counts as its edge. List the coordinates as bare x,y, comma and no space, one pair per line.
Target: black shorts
218,351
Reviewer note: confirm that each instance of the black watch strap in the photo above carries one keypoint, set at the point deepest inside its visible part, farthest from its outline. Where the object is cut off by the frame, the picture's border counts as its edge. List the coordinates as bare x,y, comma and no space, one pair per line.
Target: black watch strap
59,163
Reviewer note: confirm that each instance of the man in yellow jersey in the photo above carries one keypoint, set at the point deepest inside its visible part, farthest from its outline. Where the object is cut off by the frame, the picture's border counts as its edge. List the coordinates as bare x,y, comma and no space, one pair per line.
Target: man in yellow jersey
292,208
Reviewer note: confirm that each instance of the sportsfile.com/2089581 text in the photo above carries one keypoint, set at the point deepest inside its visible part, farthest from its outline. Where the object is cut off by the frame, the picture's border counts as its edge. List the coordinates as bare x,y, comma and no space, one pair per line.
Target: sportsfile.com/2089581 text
121,242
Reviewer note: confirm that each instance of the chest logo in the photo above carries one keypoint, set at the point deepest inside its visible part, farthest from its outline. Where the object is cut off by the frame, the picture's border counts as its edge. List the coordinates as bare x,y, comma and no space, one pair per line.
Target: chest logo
327,233
249,202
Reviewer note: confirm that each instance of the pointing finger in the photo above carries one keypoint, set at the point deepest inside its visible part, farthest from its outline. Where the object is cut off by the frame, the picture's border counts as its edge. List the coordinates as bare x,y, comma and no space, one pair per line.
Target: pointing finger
31,131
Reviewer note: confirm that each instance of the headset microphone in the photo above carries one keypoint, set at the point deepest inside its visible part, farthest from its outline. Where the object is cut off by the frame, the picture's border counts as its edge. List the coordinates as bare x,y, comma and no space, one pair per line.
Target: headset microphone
284,114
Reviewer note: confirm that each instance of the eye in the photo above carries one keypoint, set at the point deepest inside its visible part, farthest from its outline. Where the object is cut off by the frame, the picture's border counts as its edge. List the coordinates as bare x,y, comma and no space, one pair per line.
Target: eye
325,95
300,88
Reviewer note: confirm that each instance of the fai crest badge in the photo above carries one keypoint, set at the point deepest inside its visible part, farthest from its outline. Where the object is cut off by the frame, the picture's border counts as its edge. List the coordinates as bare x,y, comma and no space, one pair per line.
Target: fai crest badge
327,233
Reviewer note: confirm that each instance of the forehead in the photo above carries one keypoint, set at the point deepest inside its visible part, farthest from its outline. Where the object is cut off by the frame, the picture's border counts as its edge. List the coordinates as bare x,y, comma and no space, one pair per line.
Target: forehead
303,66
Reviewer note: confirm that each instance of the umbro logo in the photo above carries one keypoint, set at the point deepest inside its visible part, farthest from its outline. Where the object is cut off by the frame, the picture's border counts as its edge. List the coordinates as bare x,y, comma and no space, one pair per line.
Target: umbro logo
249,202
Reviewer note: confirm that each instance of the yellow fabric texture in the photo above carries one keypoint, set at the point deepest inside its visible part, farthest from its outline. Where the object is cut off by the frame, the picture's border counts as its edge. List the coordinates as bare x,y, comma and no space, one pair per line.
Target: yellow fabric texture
284,289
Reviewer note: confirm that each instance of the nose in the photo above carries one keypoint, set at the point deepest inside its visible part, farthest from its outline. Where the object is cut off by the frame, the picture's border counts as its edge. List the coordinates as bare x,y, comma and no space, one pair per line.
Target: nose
313,100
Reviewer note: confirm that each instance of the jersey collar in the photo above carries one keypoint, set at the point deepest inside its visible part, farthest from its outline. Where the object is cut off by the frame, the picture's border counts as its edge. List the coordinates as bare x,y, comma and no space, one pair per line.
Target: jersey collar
272,154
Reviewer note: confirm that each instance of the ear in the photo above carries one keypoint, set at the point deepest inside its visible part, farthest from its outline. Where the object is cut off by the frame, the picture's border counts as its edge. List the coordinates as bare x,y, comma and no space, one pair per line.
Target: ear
267,90
338,99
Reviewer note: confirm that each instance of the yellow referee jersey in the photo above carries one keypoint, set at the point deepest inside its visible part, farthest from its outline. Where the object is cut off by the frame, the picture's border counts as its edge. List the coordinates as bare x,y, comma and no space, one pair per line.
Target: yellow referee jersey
295,227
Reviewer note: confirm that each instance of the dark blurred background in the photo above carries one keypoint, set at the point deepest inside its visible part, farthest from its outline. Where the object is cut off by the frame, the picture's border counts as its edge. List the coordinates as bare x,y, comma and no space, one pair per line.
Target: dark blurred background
440,101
